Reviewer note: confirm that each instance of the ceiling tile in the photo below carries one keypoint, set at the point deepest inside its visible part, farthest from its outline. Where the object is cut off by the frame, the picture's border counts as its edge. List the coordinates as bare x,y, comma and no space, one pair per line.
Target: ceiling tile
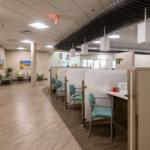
81,20
4,18
12,4
82,3
108,1
14,23
44,8
72,13
12,14
66,4
40,18
26,11
26,20
31,2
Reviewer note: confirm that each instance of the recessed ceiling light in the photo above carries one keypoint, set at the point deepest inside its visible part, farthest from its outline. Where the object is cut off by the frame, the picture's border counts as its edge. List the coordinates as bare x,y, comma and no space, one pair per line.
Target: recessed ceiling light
20,48
97,42
49,46
38,25
114,36
26,41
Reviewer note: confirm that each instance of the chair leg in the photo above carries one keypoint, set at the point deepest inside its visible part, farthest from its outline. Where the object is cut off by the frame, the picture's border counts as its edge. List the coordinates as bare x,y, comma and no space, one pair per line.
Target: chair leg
90,127
69,106
111,125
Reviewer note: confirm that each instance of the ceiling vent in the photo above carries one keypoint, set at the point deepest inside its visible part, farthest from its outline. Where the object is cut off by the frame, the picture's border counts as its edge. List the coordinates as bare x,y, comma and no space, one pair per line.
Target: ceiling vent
26,32
11,40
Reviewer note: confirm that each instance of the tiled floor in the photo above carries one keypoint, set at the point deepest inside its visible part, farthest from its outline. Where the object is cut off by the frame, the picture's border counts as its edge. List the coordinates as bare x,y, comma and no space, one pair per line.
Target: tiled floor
28,120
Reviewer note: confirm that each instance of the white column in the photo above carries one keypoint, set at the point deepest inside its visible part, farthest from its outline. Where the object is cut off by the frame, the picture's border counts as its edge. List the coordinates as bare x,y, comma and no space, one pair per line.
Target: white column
33,64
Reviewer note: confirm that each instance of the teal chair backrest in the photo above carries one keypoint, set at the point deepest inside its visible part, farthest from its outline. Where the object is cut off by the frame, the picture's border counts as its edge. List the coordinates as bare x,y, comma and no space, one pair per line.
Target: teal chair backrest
91,98
52,80
72,89
58,83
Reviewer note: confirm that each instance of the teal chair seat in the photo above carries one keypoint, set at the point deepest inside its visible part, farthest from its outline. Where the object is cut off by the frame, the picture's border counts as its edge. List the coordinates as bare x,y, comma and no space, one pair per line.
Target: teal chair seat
102,112
77,97
61,89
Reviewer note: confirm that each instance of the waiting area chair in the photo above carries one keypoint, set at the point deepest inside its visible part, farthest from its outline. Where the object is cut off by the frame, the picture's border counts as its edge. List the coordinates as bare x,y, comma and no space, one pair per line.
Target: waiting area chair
20,75
40,75
53,83
74,95
5,78
59,87
29,76
100,111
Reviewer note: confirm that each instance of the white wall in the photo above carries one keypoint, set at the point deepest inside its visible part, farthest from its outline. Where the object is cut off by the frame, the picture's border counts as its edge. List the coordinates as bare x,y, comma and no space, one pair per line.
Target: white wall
2,56
142,60
13,58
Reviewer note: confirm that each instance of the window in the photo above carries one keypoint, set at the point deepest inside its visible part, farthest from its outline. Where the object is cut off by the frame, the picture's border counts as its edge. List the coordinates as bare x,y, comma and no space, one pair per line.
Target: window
90,63
103,63
96,64
84,63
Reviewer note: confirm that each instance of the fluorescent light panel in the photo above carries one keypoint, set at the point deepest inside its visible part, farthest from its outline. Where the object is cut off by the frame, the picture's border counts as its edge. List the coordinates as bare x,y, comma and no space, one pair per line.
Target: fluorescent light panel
38,25
49,46
20,48
114,36
26,41
97,42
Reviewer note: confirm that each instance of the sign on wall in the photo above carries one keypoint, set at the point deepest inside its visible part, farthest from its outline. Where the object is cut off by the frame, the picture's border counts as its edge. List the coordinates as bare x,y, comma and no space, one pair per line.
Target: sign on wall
2,64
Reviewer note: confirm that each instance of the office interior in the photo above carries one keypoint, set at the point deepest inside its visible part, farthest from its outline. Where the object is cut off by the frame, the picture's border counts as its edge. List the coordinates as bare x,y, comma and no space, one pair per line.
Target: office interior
74,74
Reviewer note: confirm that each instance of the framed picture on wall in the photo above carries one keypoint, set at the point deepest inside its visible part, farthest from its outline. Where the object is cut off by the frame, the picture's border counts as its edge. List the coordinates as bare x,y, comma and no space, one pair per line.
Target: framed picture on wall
2,64
25,64
117,61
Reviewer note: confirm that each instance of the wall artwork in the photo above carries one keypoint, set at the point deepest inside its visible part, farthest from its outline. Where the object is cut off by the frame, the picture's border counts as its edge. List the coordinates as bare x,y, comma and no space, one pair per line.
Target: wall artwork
117,61
2,63
25,64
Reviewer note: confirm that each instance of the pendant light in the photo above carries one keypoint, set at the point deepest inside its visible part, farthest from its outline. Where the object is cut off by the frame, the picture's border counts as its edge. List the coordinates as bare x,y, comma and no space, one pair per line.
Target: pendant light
60,55
105,42
72,51
68,57
84,47
144,30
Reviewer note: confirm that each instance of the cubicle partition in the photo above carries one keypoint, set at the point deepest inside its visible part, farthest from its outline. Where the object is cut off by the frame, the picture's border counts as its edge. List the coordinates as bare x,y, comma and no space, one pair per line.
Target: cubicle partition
99,82
76,77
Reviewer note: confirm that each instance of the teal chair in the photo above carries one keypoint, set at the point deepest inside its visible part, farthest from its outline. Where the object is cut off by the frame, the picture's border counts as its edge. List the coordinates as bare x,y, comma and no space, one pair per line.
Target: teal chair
74,95
20,75
100,111
29,76
4,78
59,87
40,75
53,82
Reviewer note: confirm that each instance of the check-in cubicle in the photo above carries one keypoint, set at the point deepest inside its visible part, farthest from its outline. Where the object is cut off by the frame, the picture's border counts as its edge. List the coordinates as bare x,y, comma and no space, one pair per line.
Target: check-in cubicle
76,77
100,82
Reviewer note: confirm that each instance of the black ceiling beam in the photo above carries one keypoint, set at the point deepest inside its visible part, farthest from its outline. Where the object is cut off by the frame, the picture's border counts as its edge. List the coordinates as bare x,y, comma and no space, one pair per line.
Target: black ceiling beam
119,15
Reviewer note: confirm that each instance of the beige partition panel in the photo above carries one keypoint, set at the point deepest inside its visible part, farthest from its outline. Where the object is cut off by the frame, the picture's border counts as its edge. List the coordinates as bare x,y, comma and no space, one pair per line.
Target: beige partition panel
126,60
139,109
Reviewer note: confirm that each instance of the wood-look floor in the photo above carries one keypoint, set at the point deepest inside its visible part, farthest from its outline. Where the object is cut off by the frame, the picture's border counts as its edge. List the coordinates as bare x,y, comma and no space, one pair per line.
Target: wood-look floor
100,131
28,121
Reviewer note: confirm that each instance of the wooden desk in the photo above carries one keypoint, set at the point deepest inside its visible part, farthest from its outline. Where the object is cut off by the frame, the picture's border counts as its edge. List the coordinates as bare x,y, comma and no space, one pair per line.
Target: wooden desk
120,107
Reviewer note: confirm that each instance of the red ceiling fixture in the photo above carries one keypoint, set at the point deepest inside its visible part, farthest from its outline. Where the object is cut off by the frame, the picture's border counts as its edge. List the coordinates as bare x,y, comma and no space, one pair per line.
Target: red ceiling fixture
53,16
38,47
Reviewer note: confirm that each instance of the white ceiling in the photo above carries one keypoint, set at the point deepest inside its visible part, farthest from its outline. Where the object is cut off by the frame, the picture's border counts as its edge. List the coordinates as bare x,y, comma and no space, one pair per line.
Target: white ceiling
15,15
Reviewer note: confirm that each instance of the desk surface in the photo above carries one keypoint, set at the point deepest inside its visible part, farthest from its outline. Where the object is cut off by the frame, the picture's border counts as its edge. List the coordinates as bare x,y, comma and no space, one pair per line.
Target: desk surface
119,94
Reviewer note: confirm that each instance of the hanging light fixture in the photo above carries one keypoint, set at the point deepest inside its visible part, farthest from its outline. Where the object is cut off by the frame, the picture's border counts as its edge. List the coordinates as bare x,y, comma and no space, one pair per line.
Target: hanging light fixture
84,47
60,55
72,51
105,42
96,57
144,30
68,57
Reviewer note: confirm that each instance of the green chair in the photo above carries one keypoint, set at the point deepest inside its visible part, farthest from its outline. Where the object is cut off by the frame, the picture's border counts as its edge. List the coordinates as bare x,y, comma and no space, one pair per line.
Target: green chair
4,78
59,87
29,76
53,83
40,75
20,75
100,111
74,95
